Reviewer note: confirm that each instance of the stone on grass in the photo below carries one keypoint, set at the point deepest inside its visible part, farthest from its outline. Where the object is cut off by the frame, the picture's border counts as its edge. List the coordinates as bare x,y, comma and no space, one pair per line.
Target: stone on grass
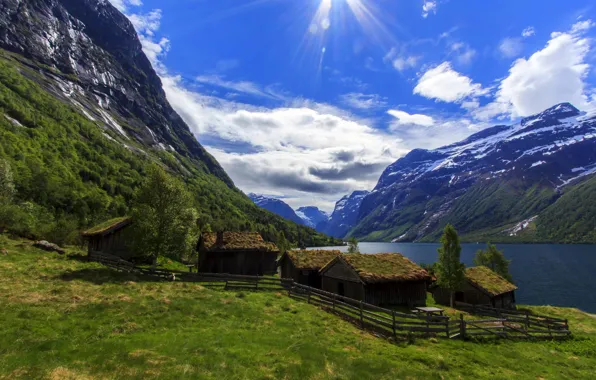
3,252
47,246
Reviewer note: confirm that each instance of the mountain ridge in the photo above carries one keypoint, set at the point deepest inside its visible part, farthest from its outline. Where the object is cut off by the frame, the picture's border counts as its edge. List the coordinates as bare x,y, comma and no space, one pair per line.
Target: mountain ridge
497,177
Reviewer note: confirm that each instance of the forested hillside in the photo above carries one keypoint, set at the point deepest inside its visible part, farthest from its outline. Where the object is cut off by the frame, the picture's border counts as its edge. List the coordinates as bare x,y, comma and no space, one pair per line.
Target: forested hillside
70,173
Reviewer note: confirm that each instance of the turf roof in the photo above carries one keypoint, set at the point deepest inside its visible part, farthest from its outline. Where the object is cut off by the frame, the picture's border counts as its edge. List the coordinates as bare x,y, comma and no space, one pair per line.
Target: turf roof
384,267
312,259
108,226
489,281
238,241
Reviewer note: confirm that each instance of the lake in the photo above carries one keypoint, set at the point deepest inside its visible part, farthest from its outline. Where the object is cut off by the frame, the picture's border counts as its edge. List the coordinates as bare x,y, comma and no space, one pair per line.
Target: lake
546,274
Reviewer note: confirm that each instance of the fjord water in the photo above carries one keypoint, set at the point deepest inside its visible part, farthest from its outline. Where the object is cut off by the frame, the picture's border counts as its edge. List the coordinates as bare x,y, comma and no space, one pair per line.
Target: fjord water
546,274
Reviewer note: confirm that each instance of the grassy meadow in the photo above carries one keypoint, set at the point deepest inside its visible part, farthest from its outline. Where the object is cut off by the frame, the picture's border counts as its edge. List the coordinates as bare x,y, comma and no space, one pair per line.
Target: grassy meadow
64,318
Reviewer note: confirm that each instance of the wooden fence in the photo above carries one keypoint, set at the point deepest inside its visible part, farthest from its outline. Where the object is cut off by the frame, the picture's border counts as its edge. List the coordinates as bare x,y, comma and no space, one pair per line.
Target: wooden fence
505,324
509,323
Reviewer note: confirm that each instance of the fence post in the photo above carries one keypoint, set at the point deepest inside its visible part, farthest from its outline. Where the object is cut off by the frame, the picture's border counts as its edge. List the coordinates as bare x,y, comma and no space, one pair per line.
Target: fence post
257,284
334,298
394,333
308,300
447,327
462,327
361,316
527,320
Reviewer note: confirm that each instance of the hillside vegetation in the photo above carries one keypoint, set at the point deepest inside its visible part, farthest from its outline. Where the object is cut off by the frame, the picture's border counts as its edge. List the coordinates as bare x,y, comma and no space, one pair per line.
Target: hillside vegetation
71,173
65,318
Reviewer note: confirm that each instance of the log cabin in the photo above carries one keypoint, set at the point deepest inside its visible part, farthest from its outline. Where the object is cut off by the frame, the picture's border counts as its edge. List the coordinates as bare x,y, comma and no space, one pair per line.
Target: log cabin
304,266
482,286
378,279
111,238
243,253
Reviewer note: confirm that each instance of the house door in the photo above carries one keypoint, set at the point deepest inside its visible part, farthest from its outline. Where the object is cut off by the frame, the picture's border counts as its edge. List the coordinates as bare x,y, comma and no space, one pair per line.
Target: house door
340,289
459,297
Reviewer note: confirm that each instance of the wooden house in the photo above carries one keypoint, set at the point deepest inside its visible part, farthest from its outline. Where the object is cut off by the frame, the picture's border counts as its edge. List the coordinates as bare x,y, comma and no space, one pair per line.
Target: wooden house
482,286
236,253
110,237
378,279
304,266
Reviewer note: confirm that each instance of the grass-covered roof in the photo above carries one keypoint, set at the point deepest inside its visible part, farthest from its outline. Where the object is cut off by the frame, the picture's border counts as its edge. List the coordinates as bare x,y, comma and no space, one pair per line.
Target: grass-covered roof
384,267
484,278
108,226
311,260
238,241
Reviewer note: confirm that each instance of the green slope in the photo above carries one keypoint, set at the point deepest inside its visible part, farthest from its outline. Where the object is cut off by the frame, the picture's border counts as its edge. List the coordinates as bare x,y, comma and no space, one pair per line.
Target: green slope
70,173
63,318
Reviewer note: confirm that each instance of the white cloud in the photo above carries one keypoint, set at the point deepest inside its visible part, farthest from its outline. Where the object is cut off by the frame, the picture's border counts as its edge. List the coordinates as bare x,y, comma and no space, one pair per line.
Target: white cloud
464,54
276,148
122,5
399,61
528,32
244,87
362,101
428,7
445,84
511,47
552,75
404,118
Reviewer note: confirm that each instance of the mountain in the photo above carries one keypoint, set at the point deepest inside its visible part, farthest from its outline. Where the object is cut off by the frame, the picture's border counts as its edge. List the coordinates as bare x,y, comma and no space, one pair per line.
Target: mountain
500,183
313,217
82,116
345,215
95,62
276,206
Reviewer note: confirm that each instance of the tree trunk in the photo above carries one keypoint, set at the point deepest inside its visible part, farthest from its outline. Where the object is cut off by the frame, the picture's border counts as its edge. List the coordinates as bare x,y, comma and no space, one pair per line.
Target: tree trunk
451,298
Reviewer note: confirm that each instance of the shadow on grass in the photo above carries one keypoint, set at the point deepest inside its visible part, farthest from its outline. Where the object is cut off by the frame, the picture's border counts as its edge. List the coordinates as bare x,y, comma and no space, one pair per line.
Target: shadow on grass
99,276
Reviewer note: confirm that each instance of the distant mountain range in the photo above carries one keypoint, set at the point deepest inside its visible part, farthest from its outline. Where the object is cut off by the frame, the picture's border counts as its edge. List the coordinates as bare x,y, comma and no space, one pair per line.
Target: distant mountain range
534,181
531,181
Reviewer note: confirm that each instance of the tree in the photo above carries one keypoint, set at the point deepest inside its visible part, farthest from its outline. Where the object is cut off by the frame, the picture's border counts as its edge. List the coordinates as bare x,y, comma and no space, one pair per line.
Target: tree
282,243
494,259
164,221
450,270
353,245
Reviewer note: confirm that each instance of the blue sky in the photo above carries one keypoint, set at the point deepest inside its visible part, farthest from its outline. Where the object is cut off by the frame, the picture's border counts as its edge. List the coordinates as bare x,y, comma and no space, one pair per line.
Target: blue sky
312,99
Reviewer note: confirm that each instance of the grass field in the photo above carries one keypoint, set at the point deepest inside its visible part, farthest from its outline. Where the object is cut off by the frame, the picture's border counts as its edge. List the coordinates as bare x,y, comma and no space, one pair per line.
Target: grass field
63,318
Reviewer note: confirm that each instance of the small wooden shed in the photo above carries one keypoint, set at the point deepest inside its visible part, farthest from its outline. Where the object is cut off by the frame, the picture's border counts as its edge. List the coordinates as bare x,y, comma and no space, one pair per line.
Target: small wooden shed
237,253
304,266
378,279
110,237
482,286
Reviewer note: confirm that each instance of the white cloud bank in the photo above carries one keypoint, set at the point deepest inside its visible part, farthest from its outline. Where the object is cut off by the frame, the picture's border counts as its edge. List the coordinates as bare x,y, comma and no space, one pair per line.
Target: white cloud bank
552,75
404,118
445,84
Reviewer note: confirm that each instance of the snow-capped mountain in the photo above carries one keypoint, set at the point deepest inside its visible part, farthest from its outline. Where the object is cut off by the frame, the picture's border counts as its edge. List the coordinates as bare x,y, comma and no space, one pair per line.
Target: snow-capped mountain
345,215
313,217
502,175
276,206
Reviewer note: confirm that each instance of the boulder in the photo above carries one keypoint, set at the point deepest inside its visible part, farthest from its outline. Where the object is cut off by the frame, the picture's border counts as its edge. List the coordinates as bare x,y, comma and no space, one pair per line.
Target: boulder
47,246
3,252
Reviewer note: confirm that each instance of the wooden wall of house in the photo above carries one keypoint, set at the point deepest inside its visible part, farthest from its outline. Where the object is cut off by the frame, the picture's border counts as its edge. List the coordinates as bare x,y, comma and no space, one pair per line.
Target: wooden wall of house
351,289
410,293
339,278
310,278
472,295
238,262
116,243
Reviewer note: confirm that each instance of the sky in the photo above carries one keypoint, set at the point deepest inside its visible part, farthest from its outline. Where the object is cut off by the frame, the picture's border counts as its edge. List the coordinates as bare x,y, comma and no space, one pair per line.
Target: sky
309,100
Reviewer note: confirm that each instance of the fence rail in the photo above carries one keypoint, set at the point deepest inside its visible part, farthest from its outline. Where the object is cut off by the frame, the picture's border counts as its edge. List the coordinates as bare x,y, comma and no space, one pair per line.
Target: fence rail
510,324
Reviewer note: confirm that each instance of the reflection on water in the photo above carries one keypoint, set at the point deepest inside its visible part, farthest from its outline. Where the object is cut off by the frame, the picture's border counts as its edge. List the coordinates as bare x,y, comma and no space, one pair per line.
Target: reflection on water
546,274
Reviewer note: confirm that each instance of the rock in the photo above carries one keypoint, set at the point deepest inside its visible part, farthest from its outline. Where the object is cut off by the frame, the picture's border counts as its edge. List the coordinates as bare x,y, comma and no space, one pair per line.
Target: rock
47,246
3,252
